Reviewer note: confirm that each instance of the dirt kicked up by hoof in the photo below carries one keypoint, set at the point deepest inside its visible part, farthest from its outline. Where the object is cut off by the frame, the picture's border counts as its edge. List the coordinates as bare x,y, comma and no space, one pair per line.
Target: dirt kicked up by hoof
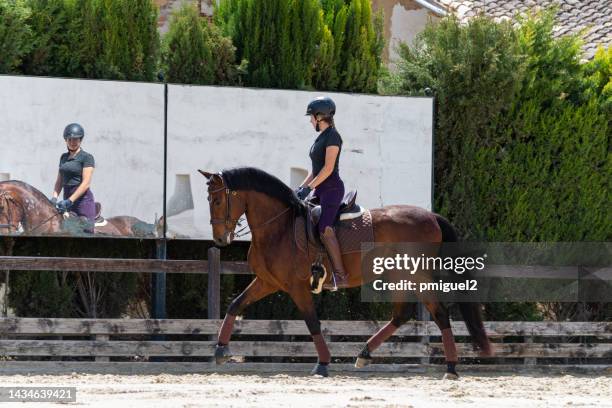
450,376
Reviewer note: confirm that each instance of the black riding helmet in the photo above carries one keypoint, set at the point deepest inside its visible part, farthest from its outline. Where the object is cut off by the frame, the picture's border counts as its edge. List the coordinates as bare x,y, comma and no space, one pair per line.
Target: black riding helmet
321,105
74,131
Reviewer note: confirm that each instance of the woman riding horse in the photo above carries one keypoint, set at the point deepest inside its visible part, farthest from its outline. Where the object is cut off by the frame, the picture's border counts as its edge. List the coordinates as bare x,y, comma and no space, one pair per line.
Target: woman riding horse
272,210
76,169
325,178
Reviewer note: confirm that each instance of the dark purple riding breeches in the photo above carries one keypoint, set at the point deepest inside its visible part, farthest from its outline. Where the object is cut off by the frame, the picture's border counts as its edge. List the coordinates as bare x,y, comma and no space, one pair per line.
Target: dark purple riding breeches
85,206
330,193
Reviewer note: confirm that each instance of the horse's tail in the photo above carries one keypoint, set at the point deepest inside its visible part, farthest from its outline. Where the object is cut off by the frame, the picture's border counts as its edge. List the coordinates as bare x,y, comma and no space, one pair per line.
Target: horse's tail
469,310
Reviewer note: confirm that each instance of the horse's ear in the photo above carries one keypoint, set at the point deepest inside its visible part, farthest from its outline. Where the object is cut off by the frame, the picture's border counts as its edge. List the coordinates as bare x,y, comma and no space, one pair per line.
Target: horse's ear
206,174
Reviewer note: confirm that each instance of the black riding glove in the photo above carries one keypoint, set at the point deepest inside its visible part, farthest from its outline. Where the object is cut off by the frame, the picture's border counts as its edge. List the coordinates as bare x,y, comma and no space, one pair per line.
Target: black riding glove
303,192
63,205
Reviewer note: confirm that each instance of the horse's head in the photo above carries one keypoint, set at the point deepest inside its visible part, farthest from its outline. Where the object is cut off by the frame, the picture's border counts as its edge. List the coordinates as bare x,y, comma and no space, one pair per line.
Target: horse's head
226,207
10,214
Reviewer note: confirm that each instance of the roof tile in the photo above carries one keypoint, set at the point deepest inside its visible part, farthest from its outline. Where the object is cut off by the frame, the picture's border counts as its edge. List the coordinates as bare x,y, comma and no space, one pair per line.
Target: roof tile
573,16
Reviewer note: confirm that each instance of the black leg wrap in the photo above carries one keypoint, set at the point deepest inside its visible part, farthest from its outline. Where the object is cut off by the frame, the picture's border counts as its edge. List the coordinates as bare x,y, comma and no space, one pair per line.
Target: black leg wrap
320,369
222,354
365,352
450,367
398,321
363,358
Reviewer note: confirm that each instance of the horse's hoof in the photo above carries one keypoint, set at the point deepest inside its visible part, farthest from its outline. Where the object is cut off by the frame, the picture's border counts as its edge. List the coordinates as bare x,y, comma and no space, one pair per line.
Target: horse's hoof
222,354
450,376
362,362
363,358
320,370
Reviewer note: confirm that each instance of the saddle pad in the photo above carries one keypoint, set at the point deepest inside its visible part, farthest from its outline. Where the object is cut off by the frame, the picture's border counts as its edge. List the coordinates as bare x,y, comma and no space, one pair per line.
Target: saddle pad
350,233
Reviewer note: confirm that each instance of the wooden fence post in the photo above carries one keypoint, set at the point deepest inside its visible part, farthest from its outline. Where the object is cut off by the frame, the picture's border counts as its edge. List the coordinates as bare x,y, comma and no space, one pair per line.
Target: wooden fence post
214,283
102,337
529,360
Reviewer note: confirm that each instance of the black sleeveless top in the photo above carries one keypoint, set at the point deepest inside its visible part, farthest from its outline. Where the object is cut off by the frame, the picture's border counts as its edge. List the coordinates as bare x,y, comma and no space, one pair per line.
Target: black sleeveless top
329,137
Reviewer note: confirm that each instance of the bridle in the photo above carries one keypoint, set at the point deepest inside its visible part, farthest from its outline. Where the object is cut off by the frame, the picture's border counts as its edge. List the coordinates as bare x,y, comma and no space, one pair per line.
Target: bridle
4,195
7,198
228,221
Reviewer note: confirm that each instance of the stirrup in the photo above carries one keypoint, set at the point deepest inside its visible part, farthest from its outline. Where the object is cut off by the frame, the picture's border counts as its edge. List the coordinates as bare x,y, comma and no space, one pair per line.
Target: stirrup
318,276
335,287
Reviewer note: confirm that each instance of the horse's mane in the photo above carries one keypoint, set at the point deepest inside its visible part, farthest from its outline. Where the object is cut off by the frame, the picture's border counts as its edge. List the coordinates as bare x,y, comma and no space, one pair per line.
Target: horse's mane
33,190
254,179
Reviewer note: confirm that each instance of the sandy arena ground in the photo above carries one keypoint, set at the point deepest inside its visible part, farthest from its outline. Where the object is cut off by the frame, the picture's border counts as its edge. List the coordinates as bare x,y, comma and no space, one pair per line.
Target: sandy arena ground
288,391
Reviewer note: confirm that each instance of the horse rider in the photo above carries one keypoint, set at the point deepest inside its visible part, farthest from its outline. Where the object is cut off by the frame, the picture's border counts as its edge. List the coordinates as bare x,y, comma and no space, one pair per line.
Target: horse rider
76,169
325,179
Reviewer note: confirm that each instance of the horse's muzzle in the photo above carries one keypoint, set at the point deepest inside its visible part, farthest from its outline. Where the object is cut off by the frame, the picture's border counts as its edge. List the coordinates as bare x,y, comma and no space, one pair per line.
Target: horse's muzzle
224,240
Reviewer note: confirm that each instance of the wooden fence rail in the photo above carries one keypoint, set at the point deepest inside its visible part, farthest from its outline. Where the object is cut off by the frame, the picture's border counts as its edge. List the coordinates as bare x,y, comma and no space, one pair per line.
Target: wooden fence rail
108,340
405,343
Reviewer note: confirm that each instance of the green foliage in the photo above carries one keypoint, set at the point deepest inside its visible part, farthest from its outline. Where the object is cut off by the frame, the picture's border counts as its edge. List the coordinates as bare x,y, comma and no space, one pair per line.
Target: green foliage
15,34
475,71
109,39
597,80
125,33
72,294
278,38
350,52
195,52
56,36
522,132
521,136
41,294
330,45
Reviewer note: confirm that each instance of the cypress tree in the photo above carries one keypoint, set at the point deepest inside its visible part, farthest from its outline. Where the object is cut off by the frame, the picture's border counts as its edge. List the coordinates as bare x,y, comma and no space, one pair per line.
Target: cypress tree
15,34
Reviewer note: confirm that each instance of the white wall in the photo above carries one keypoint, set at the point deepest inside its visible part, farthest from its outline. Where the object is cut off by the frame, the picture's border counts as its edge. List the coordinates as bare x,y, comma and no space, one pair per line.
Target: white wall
123,124
386,154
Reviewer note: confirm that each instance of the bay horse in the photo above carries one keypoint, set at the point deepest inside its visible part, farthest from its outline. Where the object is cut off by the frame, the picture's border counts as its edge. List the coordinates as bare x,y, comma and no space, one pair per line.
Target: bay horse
26,210
271,208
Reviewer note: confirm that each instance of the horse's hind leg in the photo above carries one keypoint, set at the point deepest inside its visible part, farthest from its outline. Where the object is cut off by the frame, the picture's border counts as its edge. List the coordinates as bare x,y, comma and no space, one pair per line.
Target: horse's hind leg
399,317
440,315
256,290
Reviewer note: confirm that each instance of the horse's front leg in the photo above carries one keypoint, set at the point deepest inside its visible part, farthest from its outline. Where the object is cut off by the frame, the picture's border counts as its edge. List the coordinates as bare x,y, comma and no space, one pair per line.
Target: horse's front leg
256,290
303,300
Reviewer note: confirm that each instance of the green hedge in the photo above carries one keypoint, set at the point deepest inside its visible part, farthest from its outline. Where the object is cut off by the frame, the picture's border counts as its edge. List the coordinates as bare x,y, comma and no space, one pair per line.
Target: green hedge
15,34
522,131
297,44
522,134
107,39
195,51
